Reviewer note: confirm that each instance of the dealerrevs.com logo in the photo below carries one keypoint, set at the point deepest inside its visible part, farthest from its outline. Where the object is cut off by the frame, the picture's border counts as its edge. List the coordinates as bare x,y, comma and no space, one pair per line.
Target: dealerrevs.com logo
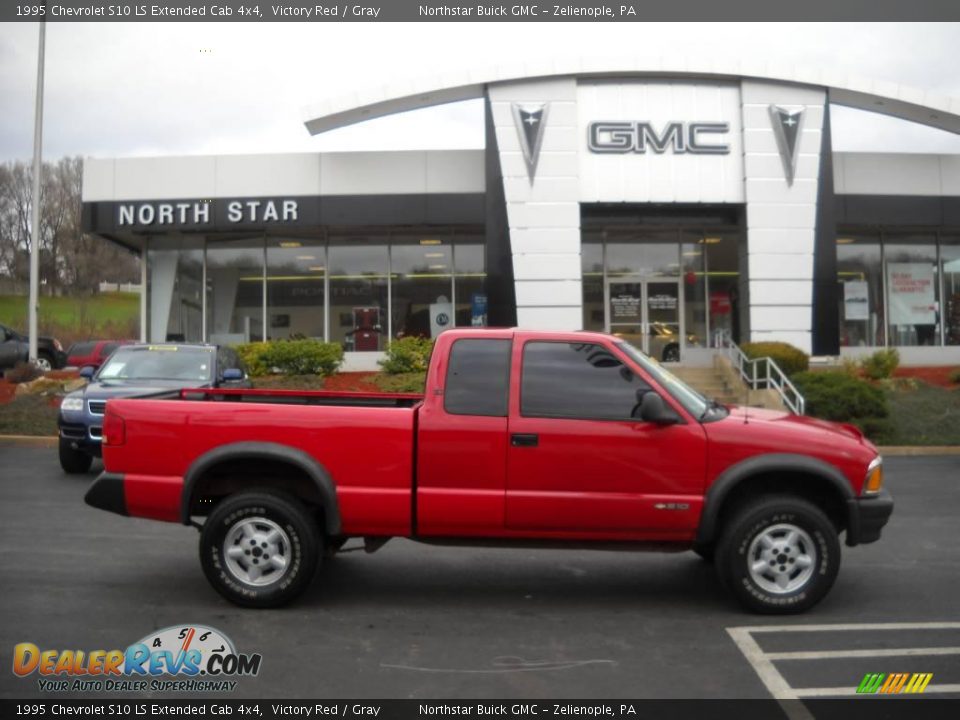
201,658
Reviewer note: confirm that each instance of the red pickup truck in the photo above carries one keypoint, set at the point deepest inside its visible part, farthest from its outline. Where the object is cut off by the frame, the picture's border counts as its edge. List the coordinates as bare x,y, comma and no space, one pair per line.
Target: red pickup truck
563,438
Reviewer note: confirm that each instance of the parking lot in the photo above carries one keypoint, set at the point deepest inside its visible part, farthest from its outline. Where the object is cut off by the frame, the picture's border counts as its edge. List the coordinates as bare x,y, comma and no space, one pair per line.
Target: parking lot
414,621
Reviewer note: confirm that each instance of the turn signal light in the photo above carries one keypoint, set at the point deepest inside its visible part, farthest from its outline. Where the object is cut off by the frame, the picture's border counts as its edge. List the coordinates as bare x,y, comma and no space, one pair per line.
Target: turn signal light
874,479
114,430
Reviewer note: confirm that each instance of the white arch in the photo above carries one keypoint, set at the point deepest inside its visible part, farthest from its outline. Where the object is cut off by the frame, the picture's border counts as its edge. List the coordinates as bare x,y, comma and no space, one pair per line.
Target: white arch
887,98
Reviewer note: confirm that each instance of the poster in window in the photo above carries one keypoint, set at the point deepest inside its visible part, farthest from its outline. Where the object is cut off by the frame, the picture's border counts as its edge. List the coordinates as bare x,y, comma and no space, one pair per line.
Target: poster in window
856,300
910,293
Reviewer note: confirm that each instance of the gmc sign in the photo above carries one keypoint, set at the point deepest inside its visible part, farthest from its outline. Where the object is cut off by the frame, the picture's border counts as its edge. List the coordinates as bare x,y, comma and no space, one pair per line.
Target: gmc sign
638,137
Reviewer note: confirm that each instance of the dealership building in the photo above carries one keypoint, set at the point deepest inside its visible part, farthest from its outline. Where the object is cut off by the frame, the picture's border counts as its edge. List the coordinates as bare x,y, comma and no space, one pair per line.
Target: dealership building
673,204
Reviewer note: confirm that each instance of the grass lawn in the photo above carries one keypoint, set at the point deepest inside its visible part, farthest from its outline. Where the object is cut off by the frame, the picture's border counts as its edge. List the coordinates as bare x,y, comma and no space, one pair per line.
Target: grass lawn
28,415
69,319
927,415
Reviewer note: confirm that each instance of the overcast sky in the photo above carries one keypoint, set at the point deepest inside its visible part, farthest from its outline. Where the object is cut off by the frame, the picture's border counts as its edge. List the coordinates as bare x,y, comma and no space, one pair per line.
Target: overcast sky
116,89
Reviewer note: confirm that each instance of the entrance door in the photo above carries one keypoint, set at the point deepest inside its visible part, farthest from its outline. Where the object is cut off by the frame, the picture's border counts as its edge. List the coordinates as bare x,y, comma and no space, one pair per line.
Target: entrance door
647,314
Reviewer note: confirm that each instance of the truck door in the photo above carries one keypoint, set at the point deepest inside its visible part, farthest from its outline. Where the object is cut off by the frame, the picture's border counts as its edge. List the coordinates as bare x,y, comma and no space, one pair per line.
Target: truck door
581,461
462,438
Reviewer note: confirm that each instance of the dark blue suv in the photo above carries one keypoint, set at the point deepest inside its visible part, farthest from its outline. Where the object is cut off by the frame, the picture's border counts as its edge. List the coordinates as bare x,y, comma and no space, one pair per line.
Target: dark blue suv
138,371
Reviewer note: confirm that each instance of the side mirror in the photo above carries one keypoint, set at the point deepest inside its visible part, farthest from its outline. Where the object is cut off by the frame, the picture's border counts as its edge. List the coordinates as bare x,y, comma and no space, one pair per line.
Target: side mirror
87,371
653,409
232,375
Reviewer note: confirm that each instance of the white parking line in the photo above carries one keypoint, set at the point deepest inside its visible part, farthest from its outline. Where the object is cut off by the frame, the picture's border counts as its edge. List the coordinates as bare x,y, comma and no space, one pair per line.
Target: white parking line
878,652
763,662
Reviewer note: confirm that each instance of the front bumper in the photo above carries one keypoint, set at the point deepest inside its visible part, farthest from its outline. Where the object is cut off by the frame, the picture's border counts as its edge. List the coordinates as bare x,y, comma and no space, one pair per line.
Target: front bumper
82,434
107,493
866,517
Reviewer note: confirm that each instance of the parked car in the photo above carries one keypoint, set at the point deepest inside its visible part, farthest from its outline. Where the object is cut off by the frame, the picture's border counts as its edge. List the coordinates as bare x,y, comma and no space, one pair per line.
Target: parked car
522,438
138,371
93,352
15,348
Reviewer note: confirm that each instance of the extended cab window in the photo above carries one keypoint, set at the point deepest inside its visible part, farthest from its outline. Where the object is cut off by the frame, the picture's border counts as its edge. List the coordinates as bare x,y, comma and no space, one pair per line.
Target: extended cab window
478,378
578,380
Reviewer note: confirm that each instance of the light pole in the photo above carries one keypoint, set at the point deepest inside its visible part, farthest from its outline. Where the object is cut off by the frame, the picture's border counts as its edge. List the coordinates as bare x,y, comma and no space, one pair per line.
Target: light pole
35,219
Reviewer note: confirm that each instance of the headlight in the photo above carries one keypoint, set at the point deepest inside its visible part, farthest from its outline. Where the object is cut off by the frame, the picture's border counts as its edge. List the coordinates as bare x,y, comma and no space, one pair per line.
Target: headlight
72,404
874,479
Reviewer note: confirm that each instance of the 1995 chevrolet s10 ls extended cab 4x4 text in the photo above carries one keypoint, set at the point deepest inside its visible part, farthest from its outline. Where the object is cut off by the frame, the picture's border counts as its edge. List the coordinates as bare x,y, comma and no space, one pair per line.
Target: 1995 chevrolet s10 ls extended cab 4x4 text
560,438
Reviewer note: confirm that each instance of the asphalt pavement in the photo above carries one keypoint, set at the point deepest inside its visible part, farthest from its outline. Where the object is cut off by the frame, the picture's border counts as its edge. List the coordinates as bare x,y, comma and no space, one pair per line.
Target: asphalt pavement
416,621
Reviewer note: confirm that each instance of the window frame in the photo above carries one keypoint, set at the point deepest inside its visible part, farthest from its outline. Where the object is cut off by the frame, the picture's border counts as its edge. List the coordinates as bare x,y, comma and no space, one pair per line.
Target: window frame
613,352
508,375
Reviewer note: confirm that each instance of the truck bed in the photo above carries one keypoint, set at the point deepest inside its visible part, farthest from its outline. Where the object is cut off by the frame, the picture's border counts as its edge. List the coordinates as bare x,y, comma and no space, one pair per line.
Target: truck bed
364,441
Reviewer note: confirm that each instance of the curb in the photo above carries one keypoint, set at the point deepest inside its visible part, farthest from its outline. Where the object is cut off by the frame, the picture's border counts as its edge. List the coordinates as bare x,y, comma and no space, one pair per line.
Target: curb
30,440
913,450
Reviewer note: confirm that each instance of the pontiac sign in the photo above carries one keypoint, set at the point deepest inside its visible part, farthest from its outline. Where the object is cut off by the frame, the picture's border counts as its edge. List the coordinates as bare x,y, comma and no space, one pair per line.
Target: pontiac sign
692,138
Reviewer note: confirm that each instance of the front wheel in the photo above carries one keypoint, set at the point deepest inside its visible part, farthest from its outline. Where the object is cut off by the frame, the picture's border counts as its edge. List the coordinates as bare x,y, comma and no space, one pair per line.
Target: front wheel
73,461
779,555
260,549
44,363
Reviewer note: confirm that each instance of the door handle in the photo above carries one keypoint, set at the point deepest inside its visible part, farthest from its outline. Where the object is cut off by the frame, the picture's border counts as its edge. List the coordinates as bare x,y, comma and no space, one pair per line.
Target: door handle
524,440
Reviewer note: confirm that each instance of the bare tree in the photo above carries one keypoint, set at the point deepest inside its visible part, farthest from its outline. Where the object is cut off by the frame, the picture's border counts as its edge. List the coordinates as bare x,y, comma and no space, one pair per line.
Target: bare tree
71,261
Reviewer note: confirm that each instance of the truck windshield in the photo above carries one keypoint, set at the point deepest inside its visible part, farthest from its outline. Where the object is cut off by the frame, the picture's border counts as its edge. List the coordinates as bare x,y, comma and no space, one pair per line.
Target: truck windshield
694,403
159,362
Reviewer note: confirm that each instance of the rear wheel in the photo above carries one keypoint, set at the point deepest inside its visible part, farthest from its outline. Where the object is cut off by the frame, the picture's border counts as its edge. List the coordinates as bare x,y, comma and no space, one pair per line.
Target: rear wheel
44,362
74,461
778,555
259,548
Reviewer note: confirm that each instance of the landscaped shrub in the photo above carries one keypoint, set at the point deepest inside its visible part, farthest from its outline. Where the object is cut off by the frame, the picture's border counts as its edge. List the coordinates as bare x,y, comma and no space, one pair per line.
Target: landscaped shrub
835,395
789,358
22,372
409,355
881,364
251,354
291,357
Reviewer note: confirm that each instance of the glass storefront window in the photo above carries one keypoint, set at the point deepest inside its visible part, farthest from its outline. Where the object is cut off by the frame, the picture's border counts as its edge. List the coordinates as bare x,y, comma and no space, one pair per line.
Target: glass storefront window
646,252
359,285
591,263
950,273
913,294
470,281
235,291
422,286
296,277
860,298
175,289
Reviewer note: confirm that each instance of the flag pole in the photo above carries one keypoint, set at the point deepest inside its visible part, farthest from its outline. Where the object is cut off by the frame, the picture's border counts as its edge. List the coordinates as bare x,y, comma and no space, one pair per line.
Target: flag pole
35,219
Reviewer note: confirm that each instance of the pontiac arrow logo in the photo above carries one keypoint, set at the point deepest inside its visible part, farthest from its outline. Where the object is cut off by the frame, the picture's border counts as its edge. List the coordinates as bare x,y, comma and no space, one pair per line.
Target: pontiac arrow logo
530,120
786,128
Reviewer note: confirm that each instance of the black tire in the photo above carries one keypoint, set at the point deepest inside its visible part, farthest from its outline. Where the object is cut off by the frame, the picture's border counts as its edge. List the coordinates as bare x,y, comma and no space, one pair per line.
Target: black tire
261,512
706,552
73,461
807,565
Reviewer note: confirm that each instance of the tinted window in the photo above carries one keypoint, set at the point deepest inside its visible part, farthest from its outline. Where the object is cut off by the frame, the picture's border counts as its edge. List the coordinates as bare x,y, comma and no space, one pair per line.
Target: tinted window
82,348
578,380
478,378
108,348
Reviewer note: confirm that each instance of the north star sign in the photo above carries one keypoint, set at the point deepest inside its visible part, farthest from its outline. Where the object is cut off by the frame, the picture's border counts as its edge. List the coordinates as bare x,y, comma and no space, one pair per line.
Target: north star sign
689,138
199,212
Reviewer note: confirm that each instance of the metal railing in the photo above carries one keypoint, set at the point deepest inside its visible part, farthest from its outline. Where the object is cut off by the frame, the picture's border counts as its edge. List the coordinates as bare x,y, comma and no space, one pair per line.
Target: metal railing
760,373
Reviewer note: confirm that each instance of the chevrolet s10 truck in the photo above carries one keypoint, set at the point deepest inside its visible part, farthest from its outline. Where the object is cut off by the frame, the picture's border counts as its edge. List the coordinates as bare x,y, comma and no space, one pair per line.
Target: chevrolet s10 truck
521,438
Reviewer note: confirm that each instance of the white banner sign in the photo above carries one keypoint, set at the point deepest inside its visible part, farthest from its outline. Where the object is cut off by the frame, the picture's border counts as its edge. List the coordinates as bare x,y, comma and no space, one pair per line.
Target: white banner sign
856,300
910,292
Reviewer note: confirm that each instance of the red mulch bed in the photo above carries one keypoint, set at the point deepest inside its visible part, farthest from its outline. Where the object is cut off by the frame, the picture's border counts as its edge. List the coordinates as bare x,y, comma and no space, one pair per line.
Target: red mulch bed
939,376
6,391
351,382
